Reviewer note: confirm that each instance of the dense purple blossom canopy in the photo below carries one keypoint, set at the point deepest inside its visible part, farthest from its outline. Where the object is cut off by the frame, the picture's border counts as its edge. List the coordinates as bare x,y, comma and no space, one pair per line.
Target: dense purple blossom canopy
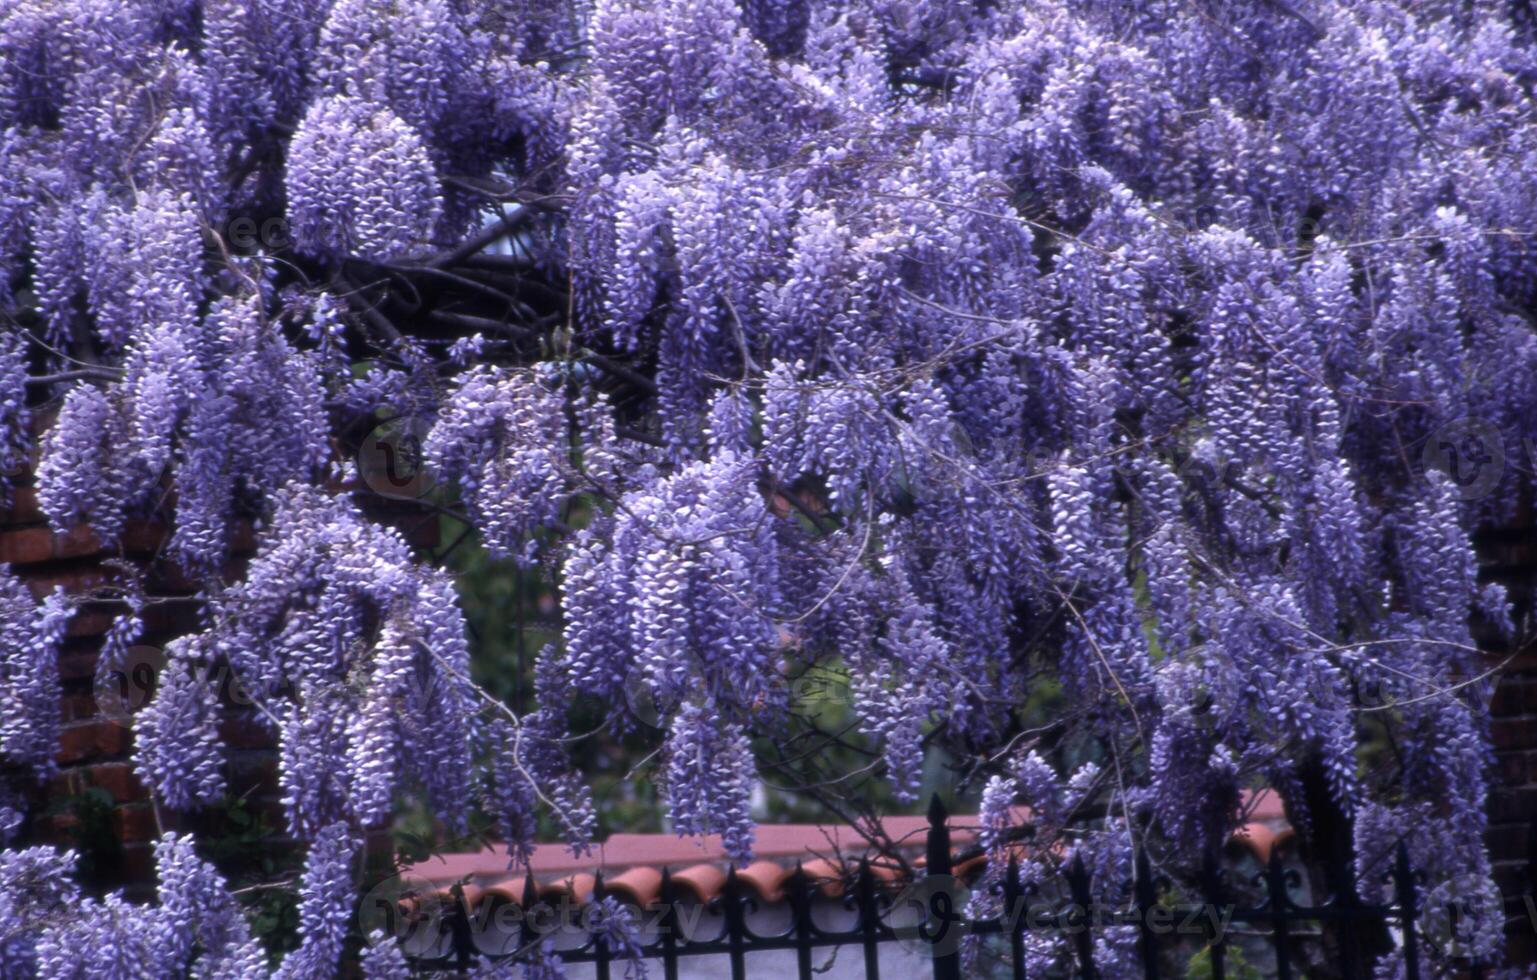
974,348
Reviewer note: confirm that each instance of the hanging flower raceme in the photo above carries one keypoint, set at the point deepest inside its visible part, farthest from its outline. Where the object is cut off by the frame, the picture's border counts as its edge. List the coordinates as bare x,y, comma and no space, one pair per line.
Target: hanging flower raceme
15,418
409,59
354,655
197,928
1091,358
147,276
506,439
222,402
360,182
710,778
29,678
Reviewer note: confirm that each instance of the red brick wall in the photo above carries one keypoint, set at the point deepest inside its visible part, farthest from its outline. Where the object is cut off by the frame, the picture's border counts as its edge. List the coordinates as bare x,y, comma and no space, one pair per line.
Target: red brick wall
1513,806
94,749
1510,557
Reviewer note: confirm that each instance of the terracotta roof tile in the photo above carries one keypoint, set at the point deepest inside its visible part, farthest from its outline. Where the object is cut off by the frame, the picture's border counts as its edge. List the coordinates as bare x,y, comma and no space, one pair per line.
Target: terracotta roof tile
1256,838
827,876
577,886
704,881
765,879
508,889
639,886
827,854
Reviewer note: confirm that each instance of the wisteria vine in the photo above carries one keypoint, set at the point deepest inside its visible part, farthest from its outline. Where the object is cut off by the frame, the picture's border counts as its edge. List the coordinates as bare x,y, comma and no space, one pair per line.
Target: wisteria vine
976,350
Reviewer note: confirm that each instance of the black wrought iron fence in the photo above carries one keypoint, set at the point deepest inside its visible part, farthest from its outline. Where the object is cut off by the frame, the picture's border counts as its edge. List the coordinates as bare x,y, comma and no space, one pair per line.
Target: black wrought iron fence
935,929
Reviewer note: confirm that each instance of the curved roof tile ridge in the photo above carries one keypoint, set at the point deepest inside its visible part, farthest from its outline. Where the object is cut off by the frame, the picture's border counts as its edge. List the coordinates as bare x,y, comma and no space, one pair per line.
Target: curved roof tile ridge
827,854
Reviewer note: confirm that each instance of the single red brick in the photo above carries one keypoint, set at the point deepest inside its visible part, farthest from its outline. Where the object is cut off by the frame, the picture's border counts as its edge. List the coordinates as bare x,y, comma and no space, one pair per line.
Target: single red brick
1514,695
119,779
1514,733
135,823
93,621
143,537
77,579
26,547
92,740
1507,805
78,662
23,509
56,828
78,706
245,733
1512,768
79,541
68,782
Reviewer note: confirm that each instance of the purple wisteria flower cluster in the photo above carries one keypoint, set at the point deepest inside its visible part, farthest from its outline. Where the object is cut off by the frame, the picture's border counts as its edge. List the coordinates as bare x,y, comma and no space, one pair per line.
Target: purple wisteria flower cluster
1078,352
49,928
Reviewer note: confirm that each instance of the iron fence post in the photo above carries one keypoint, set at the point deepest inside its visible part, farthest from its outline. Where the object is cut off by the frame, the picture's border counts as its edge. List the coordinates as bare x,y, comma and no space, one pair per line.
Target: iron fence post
1275,885
736,938
1016,914
1082,899
869,919
1346,935
947,959
600,942
1146,896
1213,900
668,926
799,891
459,928
1408,910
